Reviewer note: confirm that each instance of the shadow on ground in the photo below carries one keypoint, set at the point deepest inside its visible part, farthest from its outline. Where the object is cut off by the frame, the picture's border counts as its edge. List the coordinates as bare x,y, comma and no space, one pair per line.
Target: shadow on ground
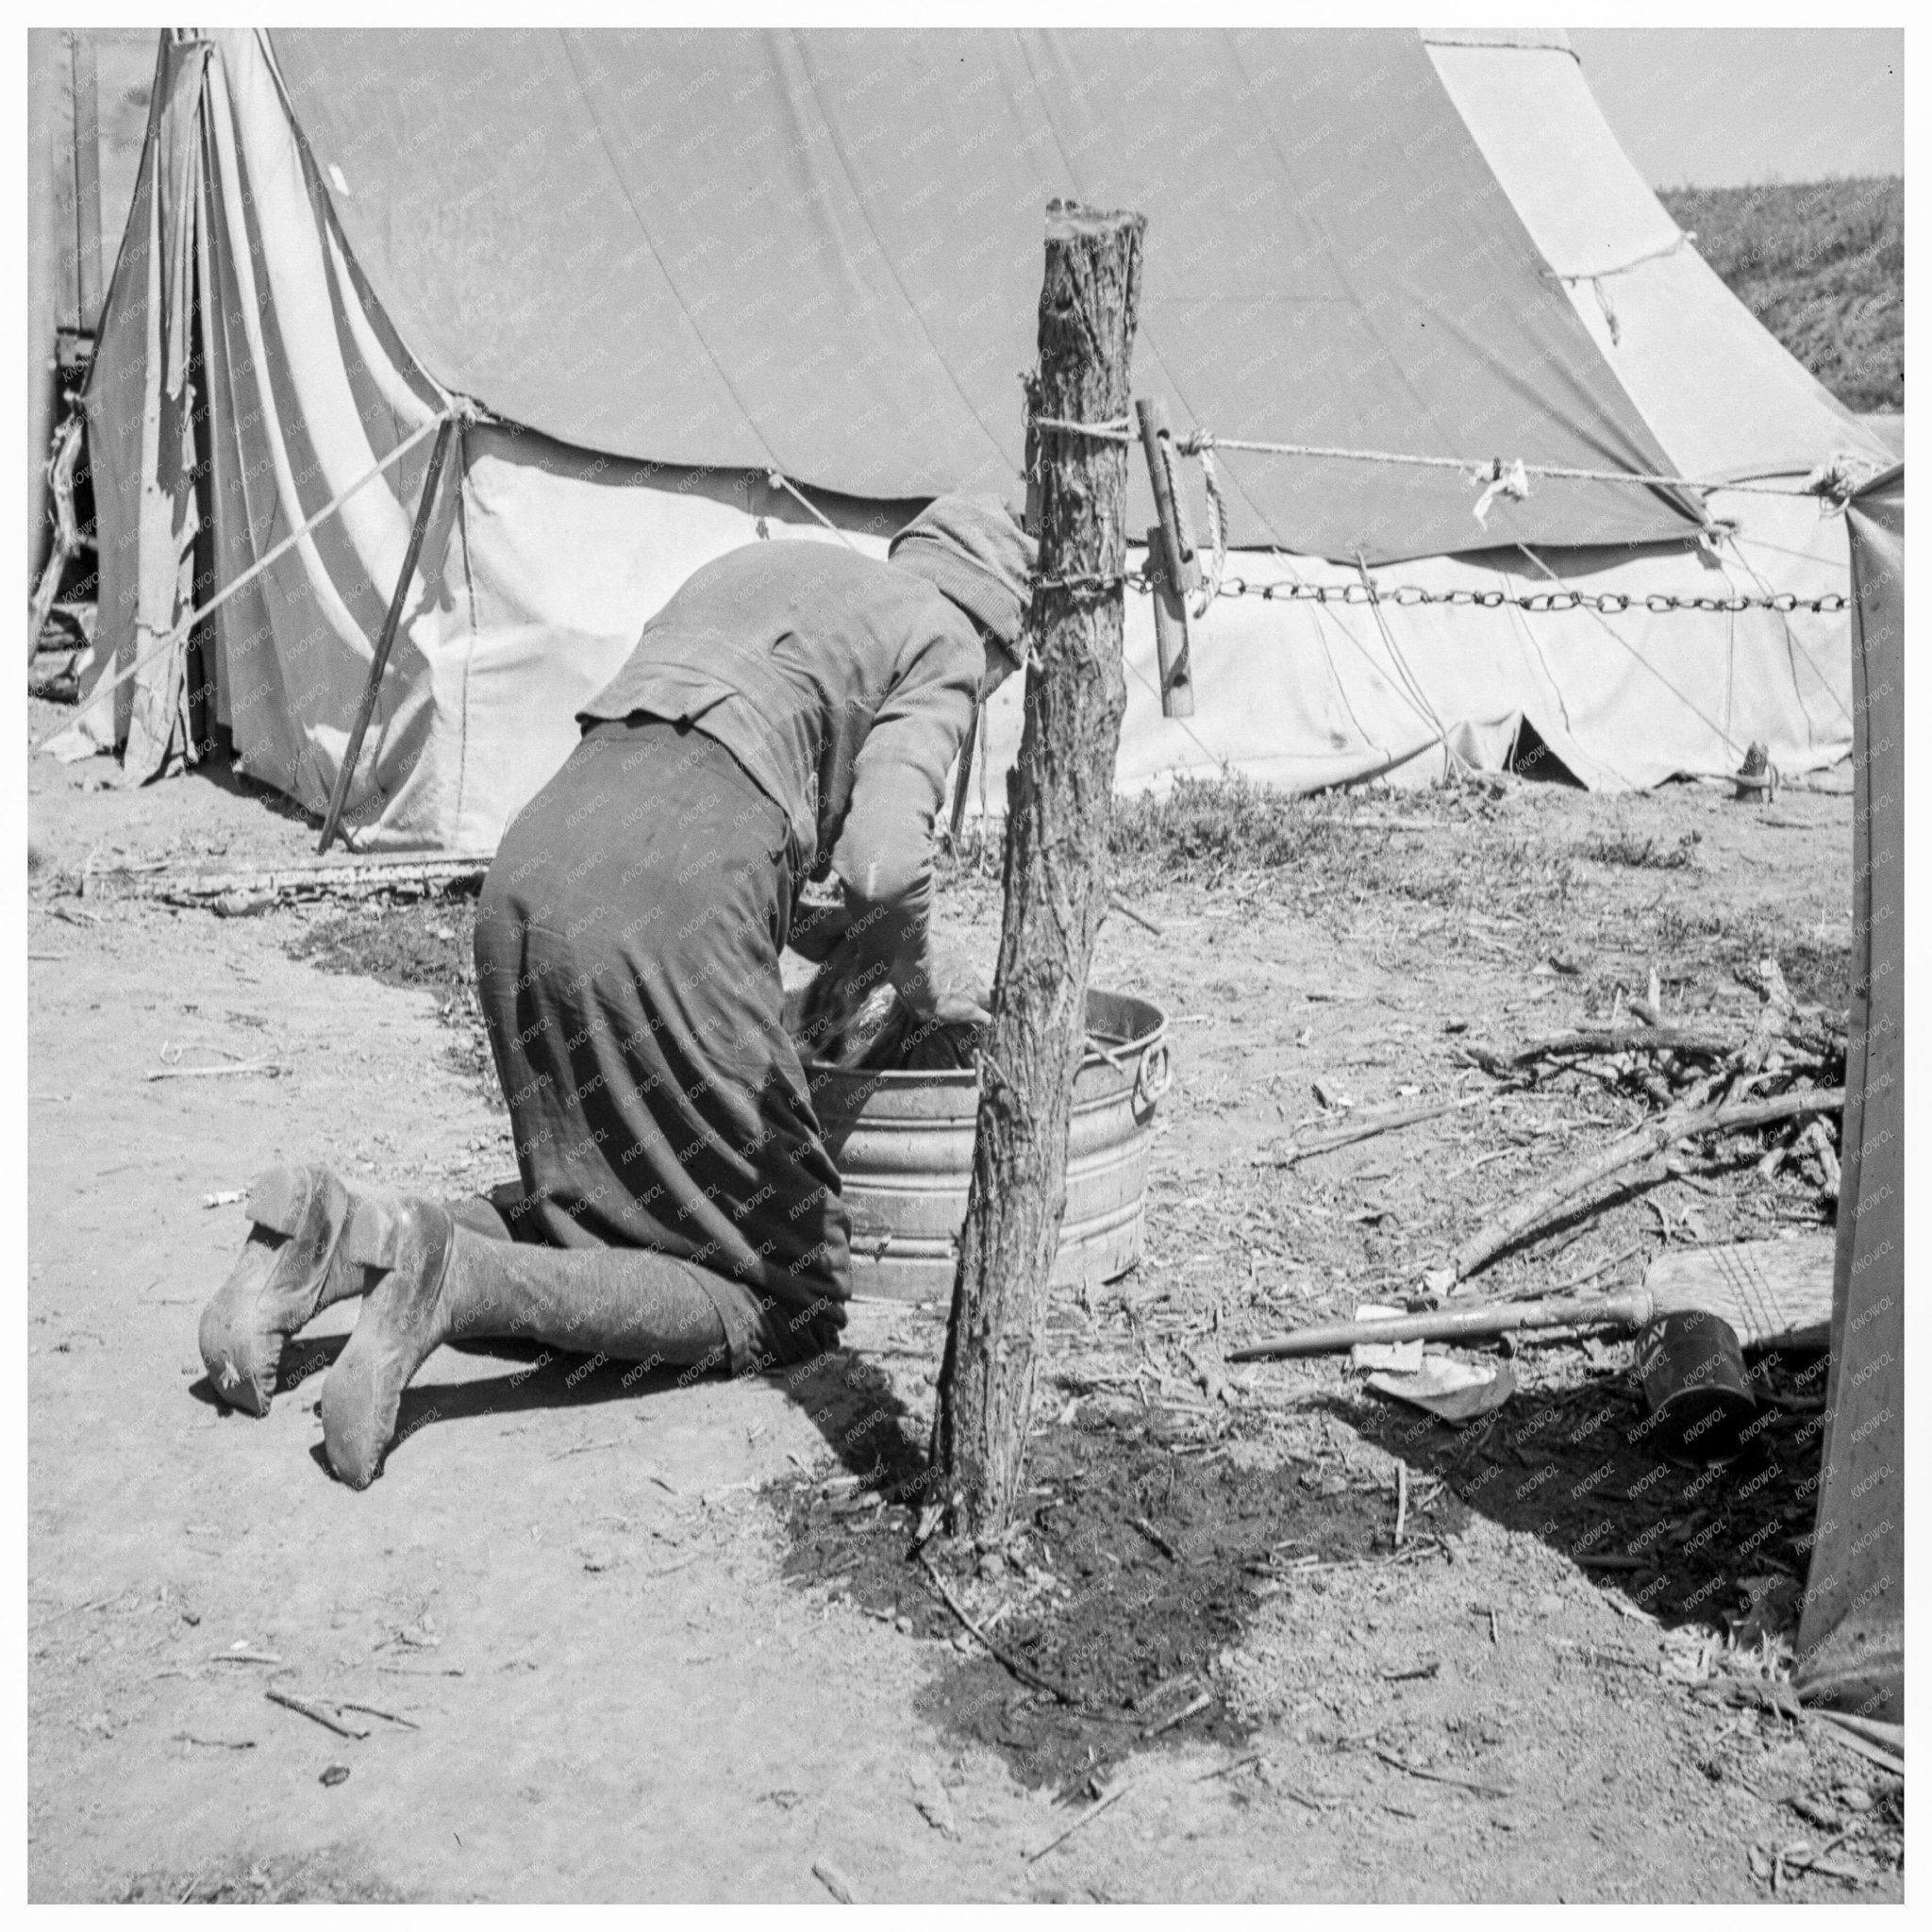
1567,1465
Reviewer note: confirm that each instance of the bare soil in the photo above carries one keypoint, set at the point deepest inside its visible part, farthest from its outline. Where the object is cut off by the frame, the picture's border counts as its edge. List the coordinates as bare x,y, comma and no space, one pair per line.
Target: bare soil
637,1639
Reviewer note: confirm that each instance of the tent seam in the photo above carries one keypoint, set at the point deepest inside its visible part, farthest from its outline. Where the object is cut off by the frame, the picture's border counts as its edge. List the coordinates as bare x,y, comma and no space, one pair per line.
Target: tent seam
905,296
670,281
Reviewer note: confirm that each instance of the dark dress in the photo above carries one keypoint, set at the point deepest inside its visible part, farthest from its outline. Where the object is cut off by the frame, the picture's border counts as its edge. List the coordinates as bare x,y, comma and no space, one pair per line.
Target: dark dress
791,707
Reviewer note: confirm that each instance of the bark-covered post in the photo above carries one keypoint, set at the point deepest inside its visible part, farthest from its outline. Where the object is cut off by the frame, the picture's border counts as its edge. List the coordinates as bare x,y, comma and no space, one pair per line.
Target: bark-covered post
1060,798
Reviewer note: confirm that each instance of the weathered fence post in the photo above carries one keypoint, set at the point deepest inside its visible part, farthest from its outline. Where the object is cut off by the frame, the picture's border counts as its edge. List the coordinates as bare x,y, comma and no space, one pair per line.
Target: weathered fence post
1060,798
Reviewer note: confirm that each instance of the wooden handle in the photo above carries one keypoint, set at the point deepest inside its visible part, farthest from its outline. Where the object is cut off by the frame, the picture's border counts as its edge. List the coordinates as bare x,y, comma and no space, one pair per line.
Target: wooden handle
1183,572
1170,634
1453,1324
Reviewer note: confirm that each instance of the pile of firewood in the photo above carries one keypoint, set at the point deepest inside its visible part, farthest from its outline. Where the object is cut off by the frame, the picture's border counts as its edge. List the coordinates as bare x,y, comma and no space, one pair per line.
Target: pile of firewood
1788,1076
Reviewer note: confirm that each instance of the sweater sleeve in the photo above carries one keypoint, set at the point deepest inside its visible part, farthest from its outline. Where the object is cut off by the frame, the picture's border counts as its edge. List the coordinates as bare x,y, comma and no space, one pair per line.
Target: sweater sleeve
883,853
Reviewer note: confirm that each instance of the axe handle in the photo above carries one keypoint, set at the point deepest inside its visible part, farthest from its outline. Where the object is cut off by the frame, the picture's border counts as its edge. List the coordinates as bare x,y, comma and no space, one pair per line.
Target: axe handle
1456,1324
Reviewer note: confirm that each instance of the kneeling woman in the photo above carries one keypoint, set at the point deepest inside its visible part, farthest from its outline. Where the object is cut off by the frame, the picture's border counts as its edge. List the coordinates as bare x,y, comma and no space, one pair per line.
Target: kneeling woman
792,711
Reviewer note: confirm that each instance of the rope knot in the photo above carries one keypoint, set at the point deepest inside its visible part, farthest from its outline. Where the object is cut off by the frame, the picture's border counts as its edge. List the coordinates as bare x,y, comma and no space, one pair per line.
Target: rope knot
1835,480
1503,479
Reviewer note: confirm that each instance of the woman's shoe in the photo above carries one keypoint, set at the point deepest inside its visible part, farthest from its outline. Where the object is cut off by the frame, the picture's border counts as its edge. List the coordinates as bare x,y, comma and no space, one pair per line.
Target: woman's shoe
300,1255
405,1318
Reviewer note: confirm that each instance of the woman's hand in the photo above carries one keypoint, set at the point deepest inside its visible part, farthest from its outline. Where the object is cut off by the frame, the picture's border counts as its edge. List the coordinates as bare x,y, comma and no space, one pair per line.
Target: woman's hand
817,930
951,991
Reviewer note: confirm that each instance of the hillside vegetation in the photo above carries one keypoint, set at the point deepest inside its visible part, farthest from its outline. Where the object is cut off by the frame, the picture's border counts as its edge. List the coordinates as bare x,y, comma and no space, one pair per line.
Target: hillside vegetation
1821,265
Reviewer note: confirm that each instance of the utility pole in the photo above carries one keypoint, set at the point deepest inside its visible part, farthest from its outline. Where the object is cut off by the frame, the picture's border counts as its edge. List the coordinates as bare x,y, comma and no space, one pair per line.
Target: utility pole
1059,801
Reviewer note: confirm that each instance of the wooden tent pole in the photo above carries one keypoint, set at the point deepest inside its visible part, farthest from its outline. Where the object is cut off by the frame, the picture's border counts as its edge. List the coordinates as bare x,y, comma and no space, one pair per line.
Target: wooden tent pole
379,663
86,179
1060,799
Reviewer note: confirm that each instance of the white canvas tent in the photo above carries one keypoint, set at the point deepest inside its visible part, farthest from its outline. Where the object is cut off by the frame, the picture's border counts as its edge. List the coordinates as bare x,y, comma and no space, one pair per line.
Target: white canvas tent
358,237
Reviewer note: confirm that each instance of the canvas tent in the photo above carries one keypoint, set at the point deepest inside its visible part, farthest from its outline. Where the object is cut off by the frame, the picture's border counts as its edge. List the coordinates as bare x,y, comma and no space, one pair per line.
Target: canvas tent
692,279
1851,1639
86,93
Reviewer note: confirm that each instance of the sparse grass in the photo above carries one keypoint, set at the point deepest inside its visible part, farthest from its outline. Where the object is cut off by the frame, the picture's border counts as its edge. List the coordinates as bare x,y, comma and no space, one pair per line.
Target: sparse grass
1333,851
415,942
1821,265
1703,942
1817,973
1202,830
1645,854
328,1876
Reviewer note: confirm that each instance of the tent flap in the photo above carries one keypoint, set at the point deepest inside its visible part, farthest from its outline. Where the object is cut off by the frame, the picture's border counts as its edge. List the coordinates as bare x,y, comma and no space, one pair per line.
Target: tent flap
1851,1639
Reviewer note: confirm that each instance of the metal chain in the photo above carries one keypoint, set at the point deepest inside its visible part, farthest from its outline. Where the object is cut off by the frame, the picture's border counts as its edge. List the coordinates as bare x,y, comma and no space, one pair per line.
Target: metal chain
1406,596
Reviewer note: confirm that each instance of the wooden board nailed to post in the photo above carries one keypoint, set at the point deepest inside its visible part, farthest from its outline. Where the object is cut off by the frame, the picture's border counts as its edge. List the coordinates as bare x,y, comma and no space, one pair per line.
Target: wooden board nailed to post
1173,568
1060,798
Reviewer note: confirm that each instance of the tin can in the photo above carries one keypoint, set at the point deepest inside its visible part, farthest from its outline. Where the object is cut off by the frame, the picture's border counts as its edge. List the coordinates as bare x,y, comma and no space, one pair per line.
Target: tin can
1695,1387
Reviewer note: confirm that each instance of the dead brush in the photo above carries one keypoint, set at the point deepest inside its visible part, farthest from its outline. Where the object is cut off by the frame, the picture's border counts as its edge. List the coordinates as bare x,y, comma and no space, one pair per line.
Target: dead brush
1646,855
1203,830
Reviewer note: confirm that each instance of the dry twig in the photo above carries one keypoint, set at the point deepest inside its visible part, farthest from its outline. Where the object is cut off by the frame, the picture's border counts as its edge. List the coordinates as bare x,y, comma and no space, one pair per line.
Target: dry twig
1025,1674
314,1711
1480,1786
1087,1816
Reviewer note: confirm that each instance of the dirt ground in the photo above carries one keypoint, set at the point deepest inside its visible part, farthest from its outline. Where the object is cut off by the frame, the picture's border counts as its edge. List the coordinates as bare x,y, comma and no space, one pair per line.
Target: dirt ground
614,1637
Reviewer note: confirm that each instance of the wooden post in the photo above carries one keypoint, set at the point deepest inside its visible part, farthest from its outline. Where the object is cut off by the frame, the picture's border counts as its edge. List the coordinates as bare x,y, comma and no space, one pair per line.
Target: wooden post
378,663
1060,799
1170,633
86,179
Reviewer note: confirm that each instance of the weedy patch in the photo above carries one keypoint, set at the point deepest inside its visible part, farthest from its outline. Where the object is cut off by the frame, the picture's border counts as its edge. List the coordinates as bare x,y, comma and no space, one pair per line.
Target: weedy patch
327,1878
1648,855
426,943
1202,830
1326,853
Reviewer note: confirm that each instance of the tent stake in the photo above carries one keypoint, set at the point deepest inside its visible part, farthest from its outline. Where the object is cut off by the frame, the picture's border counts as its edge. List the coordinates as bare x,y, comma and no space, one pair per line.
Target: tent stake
378,663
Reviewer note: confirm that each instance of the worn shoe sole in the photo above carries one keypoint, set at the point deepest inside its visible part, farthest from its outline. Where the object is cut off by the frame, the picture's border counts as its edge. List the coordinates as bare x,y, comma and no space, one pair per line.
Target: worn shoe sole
402,1323
307,1248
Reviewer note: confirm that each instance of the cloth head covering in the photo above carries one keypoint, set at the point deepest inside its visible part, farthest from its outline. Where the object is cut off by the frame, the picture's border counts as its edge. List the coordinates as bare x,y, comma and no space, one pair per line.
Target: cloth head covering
971,548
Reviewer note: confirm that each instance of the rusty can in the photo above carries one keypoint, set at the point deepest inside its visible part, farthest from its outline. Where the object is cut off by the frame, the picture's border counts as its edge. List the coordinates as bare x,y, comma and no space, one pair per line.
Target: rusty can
1695,1387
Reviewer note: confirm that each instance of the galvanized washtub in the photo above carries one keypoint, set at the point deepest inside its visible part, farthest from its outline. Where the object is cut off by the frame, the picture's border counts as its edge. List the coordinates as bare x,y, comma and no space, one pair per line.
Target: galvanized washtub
904,1146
